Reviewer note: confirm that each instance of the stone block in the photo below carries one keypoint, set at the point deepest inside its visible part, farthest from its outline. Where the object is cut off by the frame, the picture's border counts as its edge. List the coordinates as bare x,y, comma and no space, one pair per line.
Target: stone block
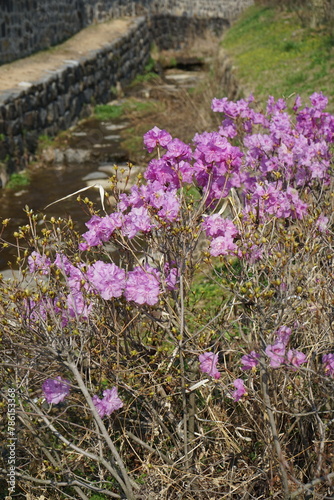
10,111
31,141
13,127
88,94
67,119
30,120
61,105
42,115
52,91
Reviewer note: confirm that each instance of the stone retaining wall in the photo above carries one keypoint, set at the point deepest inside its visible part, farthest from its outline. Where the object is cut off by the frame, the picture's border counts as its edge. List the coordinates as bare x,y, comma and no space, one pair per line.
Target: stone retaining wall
27,26
58,100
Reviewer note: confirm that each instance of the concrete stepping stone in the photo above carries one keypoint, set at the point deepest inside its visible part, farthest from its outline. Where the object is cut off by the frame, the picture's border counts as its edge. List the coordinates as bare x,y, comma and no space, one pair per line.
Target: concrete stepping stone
95,176
112,137
114,126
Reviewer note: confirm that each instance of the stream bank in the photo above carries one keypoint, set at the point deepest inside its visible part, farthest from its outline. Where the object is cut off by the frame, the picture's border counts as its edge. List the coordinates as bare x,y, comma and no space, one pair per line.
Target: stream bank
176,98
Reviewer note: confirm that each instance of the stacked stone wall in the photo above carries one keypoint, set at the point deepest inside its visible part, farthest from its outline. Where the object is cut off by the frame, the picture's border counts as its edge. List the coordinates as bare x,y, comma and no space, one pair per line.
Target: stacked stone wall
57,101
27,26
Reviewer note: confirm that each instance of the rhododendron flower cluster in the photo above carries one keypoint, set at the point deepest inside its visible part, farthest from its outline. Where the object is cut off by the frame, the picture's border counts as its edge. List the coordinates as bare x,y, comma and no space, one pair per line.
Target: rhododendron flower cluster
250,361
208,364
276,159
55,390
328,361
107,279
156,137
38,262
222,231
276,353
109,403
100,229
240,389
143,285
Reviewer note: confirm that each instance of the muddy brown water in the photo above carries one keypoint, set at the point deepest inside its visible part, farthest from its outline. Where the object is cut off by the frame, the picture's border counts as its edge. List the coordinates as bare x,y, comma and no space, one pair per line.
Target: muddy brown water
92,145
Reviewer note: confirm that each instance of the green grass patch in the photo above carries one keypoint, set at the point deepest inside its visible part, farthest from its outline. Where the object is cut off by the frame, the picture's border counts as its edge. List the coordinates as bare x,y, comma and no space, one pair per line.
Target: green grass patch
205,298
130,107
18,181
275,55
148,74
105,112
146,77
45,141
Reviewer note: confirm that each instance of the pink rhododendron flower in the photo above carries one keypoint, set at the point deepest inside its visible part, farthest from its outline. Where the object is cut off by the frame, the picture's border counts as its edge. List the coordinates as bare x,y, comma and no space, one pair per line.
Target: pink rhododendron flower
222,231
177,149
109,403
319,101
322,223
283,335
107,279
168,204
208,362
328,361
223,245
155,137
215,225
240,389
38,262
185,171
137,220
250,361
55,390
297,104
228,128
296,358
76,306
276,353
160,169
101,229
143,286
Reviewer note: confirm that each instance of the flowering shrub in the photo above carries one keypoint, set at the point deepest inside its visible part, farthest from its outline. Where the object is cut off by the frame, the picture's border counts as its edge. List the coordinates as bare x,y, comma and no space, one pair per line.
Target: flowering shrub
218,262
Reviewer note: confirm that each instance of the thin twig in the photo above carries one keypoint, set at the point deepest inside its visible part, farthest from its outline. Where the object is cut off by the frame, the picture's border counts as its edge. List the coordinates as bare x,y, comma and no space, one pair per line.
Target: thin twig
277,444
308,486
79,450
150,448
59,484
127,484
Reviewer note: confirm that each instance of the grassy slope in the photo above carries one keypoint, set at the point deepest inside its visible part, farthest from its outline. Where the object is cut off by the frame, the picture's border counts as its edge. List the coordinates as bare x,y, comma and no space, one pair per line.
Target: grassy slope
275,55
